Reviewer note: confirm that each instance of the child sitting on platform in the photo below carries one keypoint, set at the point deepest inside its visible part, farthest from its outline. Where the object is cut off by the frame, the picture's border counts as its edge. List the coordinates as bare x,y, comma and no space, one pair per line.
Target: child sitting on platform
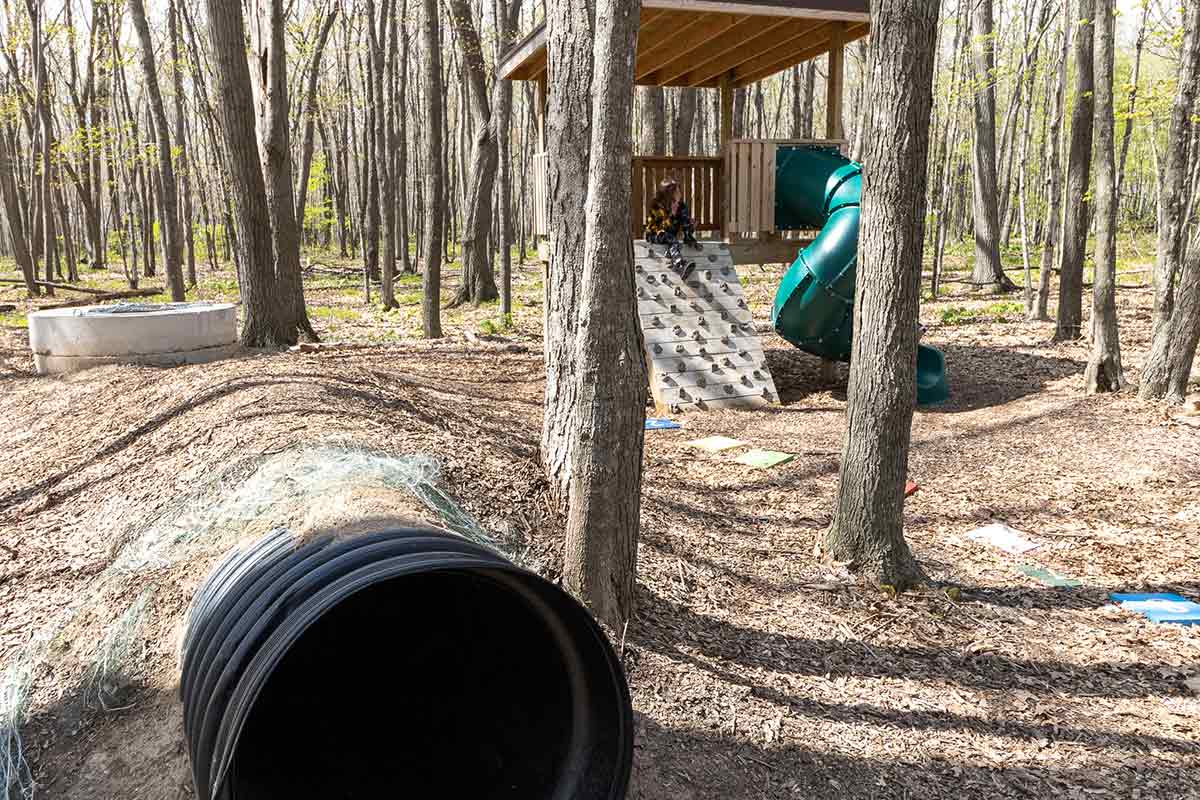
670,224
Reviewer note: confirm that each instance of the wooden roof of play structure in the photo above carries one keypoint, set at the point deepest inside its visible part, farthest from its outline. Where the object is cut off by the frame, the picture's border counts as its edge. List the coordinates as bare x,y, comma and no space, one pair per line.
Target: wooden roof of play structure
696,42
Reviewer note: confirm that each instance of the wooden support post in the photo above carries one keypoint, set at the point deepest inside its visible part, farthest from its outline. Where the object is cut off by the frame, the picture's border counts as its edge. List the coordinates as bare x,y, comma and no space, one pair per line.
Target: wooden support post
726,138
726,109
834,86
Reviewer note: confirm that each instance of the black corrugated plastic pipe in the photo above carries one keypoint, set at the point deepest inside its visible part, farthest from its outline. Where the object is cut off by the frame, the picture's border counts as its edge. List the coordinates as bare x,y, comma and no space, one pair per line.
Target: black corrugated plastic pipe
405,663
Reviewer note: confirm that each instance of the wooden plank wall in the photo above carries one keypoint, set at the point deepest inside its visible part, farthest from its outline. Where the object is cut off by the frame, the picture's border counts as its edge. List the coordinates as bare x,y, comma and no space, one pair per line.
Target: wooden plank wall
750,167
699,177
750,170
702,350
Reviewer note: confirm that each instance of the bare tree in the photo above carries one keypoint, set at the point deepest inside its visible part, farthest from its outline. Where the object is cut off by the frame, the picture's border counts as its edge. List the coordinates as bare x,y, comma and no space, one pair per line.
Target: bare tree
168,192
478,279
1079,167
868,522
1054,181
988,272
590,43
431,77
263,321
1157,378
1104,373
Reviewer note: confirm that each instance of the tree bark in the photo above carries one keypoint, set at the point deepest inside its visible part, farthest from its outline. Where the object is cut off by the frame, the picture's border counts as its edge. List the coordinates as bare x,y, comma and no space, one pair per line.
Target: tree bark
654,121
604,441
1104,373
868,521
263,324
277,173
1172,229
507,18
987,272
168,200
431,76
478,283
685,117
12,210
185,172
1075,226
1127,133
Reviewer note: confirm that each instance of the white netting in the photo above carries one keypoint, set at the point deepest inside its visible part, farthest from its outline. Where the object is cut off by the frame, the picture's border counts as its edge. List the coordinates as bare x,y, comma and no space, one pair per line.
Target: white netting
245,500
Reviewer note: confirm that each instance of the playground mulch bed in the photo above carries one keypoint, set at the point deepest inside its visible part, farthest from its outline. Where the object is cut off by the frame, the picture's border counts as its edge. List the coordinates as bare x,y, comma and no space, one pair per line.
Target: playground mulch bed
757,671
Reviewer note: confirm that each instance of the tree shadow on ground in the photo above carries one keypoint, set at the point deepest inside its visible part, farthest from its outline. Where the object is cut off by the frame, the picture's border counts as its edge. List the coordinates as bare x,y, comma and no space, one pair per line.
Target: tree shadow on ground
982,377
670,628
978,377
691,764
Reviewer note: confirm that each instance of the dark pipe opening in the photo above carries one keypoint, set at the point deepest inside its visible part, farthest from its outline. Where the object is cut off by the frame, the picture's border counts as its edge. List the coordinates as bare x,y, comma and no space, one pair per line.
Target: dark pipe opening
474,684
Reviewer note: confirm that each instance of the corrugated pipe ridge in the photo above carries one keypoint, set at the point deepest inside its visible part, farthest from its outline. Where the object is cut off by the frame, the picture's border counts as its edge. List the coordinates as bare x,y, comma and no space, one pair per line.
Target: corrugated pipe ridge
404,663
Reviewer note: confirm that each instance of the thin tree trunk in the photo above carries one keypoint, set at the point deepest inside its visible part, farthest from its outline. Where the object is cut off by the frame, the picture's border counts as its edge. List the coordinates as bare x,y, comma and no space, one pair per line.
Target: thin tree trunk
1127,133
478,282
1075,227
1054,178
1104,373
987,272
868,521
431,68
168,199
1173,223
310,114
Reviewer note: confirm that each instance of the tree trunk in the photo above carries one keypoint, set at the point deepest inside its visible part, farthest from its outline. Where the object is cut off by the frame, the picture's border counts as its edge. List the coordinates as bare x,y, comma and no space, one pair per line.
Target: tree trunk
1104,373
12,209
431,76
1127,133
168,200
987,272
653,104
604,441
263,324
1054,180
277,173
685,116
868,521
1172,229
478,280
186,213
1075,226
310,114
507,18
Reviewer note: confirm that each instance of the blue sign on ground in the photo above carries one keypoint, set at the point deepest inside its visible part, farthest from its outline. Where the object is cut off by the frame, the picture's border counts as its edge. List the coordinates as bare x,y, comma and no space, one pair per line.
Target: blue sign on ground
1160,607
659,424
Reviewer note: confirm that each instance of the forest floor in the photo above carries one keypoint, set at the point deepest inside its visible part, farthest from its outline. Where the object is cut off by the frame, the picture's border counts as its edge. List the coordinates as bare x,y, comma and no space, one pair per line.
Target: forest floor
756,670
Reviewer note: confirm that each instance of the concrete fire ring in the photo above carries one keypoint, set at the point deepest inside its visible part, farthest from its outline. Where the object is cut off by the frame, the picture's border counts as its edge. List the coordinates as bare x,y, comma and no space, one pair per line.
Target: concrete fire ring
165,335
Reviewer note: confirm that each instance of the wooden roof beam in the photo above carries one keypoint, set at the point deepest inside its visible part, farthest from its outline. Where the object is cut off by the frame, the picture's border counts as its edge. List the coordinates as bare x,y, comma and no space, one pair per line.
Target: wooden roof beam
740,49
683,44
767,64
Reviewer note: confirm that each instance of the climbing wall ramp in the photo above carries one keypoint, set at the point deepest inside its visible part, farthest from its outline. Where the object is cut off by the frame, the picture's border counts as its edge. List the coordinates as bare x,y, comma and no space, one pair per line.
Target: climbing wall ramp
701,347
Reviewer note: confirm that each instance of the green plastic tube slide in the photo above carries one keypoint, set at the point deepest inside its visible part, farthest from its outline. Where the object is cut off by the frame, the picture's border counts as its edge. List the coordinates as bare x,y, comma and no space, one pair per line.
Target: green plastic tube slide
819,188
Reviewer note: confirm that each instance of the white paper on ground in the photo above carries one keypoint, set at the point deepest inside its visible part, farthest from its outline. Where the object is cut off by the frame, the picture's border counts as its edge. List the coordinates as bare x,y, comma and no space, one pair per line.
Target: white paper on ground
1002,537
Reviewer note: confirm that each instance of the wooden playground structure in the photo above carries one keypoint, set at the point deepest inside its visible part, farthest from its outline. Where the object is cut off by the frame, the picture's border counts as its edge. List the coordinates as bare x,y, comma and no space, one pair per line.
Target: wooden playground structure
722,45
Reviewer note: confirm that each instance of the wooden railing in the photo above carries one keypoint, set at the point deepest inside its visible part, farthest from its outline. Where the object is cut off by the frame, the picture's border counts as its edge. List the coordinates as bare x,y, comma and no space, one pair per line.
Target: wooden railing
750,174
733,194
700,177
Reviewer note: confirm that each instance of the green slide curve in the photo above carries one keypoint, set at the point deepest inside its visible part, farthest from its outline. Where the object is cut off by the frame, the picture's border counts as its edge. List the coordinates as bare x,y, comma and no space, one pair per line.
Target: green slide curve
817,187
